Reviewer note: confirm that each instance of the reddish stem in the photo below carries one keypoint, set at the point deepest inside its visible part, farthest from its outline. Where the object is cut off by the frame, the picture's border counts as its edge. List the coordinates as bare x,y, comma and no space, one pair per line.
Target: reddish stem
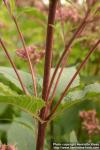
14,67
48,61
62,22
24,46
57,81
29,60
49,44
73,78
65,51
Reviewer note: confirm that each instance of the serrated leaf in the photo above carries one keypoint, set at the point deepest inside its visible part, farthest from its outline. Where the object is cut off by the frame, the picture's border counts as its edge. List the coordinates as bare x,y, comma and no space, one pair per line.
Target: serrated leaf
26,78
65,78
5,90
29,104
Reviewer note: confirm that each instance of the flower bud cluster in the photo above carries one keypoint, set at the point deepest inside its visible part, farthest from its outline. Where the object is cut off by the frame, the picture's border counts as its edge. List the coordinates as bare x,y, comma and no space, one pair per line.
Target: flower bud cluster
66,13
35,56
90,122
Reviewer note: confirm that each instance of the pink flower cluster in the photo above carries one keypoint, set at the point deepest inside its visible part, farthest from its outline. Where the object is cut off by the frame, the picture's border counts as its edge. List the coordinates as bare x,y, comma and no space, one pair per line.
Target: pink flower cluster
34,55
66,13
7,147
90,122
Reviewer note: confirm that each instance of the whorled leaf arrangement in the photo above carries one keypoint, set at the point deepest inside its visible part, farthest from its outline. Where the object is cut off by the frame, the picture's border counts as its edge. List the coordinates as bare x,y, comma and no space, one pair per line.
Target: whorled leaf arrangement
33,104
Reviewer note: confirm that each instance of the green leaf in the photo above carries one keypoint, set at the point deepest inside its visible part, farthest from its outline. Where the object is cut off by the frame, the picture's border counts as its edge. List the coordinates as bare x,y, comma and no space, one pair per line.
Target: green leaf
5,90
26,78
22,136
91,89
65,78
76,97
69,118
90,79
22,128
32,11
27,103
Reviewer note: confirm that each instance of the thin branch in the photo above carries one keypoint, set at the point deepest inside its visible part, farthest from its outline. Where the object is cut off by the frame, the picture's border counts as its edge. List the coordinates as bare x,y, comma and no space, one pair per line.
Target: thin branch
24,46
14,67
62,22
49,44
67,47
28,56
73,78
57,81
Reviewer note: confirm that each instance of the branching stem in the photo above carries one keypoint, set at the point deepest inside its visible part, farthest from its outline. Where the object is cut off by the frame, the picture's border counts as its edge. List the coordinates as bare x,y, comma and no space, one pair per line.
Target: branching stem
67,47
73,78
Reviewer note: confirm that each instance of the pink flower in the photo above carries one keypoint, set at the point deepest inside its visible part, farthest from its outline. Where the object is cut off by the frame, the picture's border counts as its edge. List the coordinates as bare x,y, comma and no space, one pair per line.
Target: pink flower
66,13
7,147
90,122
35,56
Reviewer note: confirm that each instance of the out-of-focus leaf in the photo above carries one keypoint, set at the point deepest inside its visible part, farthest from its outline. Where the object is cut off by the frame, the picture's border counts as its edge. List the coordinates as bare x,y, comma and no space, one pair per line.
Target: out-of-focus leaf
76,97
22,136
88,90
5,90
66,76
22,132
32,11
69,119
90,79
26,78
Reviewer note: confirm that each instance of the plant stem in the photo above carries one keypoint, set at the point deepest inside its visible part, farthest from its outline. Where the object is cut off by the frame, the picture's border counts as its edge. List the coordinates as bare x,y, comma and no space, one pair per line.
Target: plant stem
58,78
47,68
29,60
73,78
14,67
62,22
49,44
24,46
80,28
